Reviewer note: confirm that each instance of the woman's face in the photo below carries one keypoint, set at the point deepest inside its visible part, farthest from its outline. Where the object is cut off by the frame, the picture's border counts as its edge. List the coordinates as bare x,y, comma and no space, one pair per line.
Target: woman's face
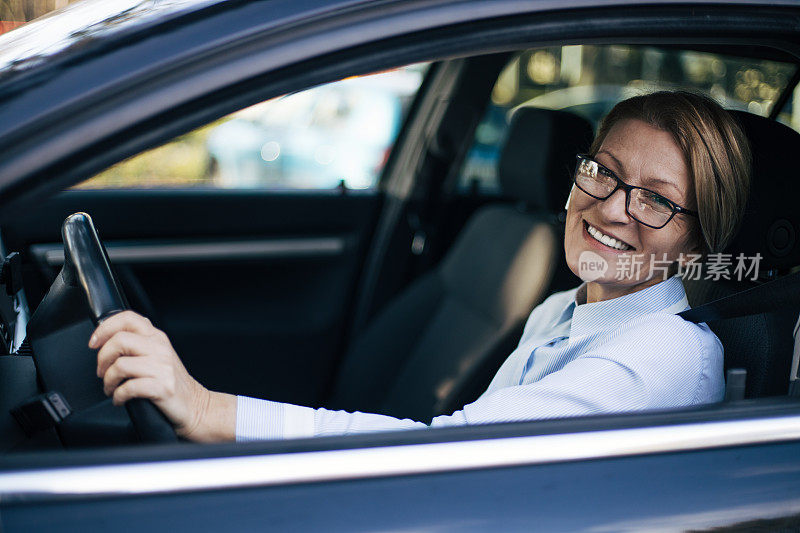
642,156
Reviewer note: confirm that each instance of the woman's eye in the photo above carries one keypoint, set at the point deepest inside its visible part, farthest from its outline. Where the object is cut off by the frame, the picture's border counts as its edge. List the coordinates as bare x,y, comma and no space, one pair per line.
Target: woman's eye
605,172
657,200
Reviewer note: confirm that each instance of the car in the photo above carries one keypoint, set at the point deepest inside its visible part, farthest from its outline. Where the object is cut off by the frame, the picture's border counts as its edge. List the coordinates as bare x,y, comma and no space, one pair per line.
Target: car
266,290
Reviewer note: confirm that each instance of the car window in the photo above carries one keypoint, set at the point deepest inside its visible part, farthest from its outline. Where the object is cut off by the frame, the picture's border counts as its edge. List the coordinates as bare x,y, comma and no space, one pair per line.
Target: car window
335,134
790,112
588,80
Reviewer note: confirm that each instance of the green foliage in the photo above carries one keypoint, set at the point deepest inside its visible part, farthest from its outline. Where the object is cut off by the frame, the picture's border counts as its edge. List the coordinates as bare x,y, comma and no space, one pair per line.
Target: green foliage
182,162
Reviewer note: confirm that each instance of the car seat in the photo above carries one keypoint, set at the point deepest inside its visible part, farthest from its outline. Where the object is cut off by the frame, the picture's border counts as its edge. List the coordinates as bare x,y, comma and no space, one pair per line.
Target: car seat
761,344
429,349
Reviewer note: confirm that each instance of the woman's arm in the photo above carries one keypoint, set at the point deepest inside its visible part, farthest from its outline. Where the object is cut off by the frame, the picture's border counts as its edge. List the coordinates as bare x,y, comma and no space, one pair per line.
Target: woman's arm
137,360
632,370
656,361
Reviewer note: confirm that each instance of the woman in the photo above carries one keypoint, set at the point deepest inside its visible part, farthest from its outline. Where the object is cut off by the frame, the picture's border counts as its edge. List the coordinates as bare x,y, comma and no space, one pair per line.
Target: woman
666,178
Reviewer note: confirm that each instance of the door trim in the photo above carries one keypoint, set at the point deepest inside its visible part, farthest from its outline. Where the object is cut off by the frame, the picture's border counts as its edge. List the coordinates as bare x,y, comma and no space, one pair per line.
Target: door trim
334,465
137,253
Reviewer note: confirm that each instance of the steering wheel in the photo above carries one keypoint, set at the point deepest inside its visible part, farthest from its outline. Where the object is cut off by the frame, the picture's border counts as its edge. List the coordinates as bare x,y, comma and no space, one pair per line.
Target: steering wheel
60,323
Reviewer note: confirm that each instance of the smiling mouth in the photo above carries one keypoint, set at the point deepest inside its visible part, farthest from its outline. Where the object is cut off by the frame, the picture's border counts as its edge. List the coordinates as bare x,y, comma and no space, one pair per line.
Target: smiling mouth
607,240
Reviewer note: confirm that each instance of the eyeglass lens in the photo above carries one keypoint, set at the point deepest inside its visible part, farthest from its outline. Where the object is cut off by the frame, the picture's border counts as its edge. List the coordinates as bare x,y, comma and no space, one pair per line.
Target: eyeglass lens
643,205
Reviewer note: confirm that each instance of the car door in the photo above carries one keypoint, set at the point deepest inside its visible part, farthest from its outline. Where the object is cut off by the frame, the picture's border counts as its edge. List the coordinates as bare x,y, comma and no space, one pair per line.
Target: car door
244,239
697,469
653,472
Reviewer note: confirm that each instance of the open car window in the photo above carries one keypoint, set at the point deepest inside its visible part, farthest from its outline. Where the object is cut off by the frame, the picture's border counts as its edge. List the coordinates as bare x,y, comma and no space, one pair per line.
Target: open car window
336,135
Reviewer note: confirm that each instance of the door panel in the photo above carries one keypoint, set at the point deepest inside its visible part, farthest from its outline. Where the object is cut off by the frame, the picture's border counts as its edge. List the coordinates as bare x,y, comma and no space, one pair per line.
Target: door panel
254,288
698,490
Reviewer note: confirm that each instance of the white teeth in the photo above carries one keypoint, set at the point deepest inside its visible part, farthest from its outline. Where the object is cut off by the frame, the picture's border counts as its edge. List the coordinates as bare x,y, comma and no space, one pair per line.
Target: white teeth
605,239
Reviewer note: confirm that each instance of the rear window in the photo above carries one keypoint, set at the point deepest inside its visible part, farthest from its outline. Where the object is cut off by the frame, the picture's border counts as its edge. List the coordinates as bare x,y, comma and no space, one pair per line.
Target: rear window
589,80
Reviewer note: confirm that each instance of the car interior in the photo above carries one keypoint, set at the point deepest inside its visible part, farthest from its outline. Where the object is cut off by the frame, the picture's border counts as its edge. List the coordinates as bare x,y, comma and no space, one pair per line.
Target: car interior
351,299
441,335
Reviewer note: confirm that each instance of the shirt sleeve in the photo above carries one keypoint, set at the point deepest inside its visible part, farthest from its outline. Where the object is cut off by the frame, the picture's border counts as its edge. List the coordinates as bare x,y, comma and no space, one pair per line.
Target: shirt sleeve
631,371
262,419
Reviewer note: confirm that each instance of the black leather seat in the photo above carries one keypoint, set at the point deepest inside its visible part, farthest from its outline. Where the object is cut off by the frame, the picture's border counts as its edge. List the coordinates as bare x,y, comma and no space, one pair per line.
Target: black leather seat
433,348
762,344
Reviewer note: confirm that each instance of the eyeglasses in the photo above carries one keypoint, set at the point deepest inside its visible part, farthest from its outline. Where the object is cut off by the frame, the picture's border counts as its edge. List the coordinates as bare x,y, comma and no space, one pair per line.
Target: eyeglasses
643,205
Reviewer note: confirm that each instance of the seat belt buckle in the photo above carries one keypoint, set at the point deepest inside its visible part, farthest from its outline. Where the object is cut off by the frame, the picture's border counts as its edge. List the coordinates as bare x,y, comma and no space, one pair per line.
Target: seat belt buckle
735,380
41,412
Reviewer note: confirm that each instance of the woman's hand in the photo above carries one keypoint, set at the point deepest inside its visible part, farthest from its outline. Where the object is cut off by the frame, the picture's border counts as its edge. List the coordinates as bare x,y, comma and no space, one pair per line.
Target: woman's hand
136,360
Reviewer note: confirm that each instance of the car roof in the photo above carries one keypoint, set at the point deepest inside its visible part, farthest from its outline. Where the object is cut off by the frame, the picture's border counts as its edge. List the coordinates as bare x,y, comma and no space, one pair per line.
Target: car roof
71,28
79,28
91,27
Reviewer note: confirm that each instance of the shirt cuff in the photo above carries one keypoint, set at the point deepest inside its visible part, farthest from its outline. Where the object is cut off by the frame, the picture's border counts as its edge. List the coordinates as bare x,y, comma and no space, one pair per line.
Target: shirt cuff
262,419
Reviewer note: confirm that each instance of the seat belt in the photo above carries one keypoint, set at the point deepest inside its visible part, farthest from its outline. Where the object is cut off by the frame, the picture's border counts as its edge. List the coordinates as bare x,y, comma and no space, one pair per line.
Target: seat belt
767,297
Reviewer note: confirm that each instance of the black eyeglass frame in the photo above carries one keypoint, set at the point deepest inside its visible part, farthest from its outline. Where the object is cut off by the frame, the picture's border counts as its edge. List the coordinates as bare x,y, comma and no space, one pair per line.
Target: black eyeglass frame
628,188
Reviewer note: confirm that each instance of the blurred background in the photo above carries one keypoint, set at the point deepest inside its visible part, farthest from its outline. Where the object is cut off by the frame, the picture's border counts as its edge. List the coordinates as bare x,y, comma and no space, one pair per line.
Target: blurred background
340,134
16,12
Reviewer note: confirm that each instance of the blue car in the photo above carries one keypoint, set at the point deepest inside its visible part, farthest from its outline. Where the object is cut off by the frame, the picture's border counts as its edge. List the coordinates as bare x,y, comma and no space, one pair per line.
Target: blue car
140,168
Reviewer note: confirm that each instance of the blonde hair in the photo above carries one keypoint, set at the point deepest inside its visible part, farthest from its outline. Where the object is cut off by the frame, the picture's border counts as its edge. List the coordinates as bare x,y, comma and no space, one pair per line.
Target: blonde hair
716,150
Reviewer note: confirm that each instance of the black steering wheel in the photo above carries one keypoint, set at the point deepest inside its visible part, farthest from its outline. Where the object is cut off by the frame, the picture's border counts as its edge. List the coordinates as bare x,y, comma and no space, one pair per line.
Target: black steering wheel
60,323
87,257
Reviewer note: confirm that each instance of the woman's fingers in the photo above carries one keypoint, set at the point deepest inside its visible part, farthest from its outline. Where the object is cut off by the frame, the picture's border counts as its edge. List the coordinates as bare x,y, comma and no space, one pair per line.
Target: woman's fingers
121,344
128,368
124,321
136,388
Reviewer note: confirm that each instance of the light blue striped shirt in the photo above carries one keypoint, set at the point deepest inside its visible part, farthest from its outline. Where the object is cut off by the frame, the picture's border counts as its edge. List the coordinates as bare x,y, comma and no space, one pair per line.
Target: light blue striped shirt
625,354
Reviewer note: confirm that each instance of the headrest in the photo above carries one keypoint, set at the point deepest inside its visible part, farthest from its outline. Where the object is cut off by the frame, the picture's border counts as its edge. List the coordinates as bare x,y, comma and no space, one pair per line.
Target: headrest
772,217
538,156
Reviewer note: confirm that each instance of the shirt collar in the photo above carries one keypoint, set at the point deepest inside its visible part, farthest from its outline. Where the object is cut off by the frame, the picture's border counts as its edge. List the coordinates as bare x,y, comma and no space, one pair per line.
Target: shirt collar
667,296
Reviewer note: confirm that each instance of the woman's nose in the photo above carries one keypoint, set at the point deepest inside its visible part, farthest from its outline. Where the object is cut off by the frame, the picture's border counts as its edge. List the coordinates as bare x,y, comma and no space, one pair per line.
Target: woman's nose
613,208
